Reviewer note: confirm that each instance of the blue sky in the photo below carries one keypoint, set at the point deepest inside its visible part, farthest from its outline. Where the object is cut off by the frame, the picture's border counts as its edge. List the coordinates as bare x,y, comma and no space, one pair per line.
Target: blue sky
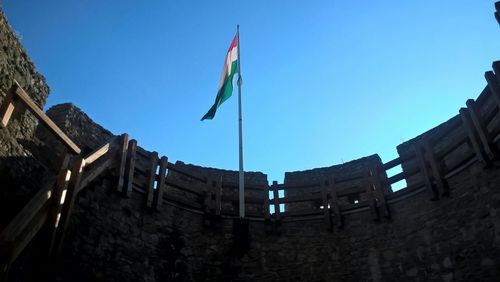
325,82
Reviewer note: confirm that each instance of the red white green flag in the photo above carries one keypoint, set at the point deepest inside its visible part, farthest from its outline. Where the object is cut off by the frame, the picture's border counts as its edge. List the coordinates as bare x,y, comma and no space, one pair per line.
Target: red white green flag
226,81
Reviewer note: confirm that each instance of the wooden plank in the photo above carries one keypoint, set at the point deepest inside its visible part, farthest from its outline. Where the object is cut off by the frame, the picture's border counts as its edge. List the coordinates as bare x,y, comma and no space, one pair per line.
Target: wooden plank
89,176
480,129
129,168
55,208
467,123
390,164
28,234
325,199
7,108
436,169
425,173
158,193
67,205
26,100
184,172
335,205
369,188
402,175
29,211
295,199
101,151
153,164
277,212
122,160
378,180
171,181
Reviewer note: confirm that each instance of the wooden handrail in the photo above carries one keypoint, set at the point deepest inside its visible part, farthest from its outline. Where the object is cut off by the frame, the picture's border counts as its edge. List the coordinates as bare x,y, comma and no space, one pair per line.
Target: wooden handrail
17,93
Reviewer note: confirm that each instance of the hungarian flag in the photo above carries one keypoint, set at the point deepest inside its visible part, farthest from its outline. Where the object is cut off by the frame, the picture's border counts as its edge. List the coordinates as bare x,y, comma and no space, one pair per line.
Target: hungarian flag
226,81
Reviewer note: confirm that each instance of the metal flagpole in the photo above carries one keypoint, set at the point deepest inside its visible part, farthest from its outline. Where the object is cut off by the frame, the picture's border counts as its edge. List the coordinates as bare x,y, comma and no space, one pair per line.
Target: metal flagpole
240,123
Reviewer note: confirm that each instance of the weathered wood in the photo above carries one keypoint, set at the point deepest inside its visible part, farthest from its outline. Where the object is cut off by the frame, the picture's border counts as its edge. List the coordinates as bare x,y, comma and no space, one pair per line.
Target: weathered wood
29,211
464,114
89,176
335,205
325,199
129,168
153,164
480,129
295,199
7,108
425,173
402,175
171,181
158,193
99,152
436,169
57,199
370,188
274,188
377,181
69,201
26,100
122,160
189,174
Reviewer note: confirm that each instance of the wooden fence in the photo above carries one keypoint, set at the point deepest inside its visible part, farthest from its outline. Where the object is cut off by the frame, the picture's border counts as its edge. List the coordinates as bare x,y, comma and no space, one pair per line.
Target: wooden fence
470,137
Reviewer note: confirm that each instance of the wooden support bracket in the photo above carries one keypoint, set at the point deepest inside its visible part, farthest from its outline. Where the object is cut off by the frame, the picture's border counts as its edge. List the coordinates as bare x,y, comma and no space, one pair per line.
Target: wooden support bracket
425,173
481,130
437,172
467,123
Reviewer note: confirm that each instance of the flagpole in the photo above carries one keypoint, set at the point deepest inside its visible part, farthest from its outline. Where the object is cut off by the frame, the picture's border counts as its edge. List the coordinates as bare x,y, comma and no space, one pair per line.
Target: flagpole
240,123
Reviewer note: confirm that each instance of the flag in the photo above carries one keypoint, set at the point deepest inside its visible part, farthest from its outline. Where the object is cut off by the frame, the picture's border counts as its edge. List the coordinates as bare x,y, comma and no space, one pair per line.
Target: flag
226,81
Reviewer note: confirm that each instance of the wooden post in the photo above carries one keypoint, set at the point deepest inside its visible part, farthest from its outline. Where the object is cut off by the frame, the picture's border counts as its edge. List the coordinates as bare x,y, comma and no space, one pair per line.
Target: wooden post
57,199
379,192
7,107
277,212
425,173
437,171
466,121
339,220
67,205
480,129
122,157
325,198
153,164
158,195
372,200
129,168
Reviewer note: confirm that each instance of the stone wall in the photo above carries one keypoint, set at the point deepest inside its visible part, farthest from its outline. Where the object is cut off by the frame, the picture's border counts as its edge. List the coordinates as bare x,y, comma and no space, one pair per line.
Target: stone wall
21,167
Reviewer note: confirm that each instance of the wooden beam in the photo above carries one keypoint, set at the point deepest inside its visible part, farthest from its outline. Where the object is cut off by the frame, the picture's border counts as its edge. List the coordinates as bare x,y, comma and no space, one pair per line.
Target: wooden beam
87,177
29,211
274,188
480,129
158,195
339,221
129,168
67,205
122,160
436,169
370,188
55,209
101,151
325,199
153,164
7,107
26,100
464,114
425,173
378,180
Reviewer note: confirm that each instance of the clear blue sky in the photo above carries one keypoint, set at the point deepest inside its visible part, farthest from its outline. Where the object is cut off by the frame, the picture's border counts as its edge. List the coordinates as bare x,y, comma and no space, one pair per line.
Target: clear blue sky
324,81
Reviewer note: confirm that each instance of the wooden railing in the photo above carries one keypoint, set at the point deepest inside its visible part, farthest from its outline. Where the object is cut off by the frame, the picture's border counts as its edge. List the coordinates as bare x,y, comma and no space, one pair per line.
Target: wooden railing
17,94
